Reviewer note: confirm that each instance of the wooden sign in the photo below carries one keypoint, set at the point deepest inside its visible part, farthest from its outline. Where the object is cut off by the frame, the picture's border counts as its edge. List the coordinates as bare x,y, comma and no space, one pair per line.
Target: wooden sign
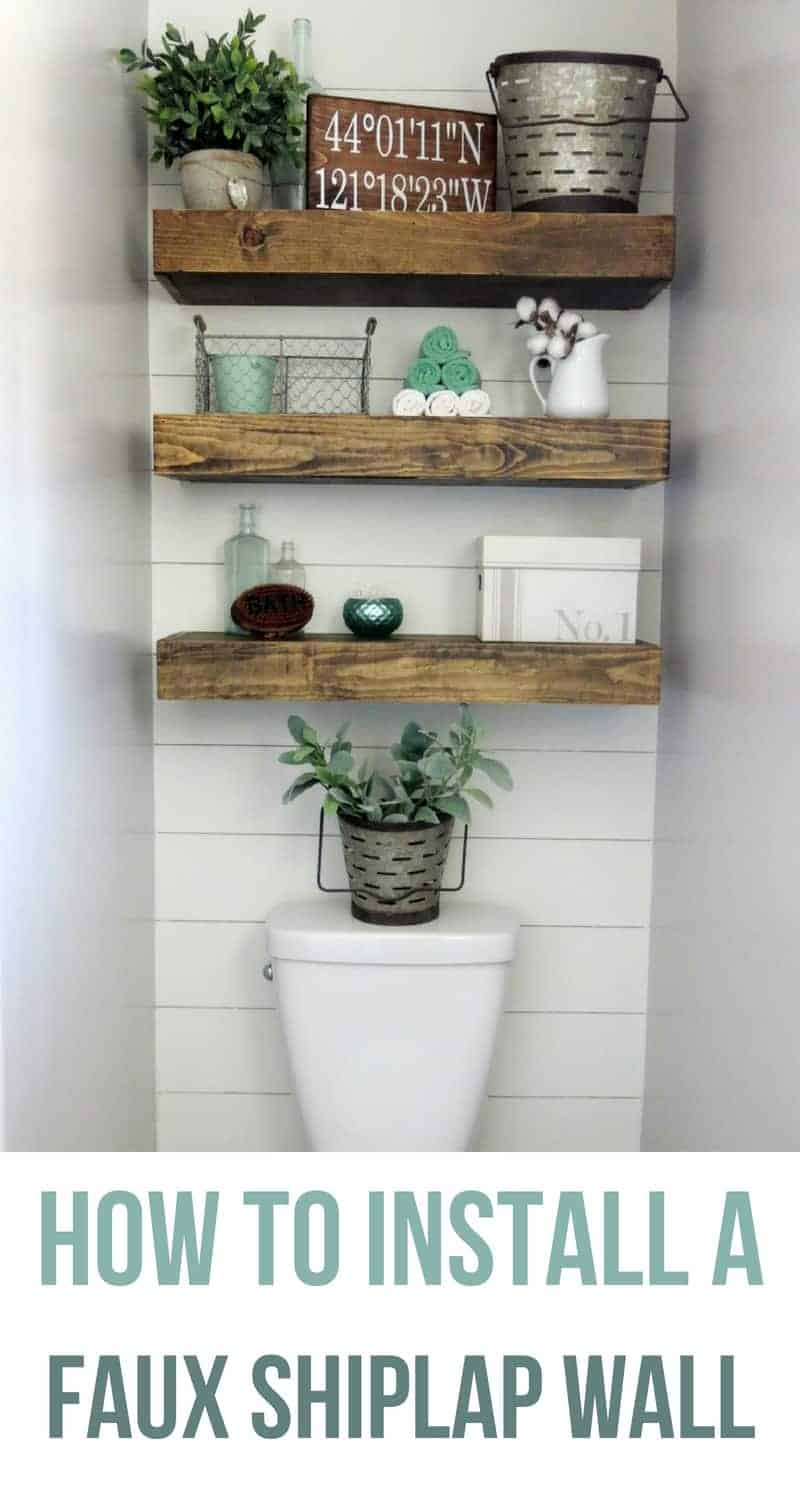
365,154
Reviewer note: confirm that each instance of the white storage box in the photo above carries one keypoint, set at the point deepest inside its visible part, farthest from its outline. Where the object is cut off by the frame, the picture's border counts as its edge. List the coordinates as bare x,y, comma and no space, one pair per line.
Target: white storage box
548,588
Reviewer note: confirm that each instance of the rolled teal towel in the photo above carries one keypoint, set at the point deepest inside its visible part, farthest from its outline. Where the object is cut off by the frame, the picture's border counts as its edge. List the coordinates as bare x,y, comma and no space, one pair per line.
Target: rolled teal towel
439,344
460,375
424,375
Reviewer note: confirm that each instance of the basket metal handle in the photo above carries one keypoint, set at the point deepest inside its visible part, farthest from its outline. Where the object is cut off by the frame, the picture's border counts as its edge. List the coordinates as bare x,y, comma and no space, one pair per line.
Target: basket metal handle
679,119
344,890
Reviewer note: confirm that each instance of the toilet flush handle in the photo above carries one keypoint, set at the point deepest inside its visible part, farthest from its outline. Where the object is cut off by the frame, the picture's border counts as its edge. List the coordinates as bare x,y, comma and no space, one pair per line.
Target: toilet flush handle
268,971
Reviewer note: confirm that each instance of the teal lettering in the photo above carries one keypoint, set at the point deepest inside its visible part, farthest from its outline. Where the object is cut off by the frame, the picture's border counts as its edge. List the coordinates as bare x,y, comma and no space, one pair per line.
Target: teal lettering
594,1404
280,1426
688,1427
737,1212
327,1396
59,1398
727,1421
422,1397
473,1373
132,1209
571,1215
329,1269
519,1203
77,1238
484,1261
427,1244
380,1399
144,1397
651,1373
513,1399
266,1203
659,1276
354,1396
171,1250
612,1275
205,1401
109,1379
377,1238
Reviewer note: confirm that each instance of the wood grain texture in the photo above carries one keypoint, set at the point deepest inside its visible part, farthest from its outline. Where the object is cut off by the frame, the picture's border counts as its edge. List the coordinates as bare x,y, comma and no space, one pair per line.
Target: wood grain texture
406,668
369,154
456,450
414,259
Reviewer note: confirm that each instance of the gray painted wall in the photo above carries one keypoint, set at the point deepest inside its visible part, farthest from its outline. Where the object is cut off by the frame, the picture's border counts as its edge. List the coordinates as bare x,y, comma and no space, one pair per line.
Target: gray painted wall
77,936
724,1033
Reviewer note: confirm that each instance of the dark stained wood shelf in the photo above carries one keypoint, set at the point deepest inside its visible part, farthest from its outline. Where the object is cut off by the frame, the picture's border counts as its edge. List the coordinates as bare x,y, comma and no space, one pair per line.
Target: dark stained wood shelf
320,257
406,668
398,450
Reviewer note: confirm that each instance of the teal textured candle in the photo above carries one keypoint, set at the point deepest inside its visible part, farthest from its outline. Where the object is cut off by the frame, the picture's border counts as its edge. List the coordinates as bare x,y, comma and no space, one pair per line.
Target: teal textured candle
372,618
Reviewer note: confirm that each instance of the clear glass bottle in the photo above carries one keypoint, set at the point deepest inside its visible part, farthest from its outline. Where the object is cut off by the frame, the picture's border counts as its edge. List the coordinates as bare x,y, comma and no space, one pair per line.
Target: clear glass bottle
246,563
287,569
289,181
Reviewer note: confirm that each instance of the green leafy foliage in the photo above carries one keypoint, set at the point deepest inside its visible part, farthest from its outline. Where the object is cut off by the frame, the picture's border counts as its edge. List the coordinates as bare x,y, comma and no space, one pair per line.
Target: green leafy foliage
426,779
226,98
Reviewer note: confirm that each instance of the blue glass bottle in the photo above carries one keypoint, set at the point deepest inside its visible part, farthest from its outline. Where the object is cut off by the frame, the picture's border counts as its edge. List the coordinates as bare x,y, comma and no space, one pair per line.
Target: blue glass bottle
246,563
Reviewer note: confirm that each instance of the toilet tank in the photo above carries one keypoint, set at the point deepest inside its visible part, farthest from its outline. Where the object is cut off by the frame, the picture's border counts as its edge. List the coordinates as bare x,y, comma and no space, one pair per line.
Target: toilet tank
390,1031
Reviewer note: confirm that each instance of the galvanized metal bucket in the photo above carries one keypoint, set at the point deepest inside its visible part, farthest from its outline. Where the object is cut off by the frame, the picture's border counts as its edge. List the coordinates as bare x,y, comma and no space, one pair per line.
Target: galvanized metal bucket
395,870
575,127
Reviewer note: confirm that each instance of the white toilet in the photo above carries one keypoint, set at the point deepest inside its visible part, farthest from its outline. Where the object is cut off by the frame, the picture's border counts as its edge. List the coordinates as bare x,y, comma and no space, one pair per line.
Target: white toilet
390,1030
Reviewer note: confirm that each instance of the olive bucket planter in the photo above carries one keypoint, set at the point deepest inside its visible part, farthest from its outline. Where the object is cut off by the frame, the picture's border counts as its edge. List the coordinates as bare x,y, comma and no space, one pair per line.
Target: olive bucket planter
395,870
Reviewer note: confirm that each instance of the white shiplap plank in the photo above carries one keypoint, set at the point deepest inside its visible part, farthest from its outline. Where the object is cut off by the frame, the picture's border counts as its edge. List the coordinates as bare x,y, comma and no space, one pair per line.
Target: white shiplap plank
192,522
239,789
436,601
558,1125
229,1122
221,1051
638,350
271,1122
629,400
580,969
219,964
582,883
528,726
243,1052
576,1055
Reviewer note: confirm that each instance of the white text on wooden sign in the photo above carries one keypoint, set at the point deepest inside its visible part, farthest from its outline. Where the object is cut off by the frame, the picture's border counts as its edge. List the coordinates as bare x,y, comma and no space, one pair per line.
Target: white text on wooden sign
393,158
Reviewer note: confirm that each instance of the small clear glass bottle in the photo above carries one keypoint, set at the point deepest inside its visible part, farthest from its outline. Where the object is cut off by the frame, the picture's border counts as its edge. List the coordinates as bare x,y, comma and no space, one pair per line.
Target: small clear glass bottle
287,569
289,181
246,563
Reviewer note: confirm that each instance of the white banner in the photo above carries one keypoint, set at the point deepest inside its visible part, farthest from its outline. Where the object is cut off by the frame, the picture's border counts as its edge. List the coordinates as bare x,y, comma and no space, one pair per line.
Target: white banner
383,1325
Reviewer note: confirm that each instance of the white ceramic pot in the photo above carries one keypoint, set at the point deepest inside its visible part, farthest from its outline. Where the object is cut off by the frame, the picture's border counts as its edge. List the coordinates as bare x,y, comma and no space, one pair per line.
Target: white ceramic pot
222,179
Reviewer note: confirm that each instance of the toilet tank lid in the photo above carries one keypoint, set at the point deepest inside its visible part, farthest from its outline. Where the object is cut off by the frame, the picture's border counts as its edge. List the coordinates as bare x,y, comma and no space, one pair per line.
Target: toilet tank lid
324,931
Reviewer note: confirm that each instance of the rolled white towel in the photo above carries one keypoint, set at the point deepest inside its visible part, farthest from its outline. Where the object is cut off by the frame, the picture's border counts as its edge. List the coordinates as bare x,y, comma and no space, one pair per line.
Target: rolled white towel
475,403
408,403
442,404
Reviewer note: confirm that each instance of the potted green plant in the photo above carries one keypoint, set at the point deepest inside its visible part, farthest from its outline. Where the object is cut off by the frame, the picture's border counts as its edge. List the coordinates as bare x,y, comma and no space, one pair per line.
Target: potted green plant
396,820
224,115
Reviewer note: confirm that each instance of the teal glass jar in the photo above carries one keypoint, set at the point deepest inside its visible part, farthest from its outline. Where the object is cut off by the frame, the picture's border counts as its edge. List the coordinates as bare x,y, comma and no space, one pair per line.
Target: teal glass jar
372,618
243,382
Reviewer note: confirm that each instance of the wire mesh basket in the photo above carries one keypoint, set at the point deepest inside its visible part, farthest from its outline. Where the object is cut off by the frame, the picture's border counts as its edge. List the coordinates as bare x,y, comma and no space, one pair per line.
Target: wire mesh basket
282,372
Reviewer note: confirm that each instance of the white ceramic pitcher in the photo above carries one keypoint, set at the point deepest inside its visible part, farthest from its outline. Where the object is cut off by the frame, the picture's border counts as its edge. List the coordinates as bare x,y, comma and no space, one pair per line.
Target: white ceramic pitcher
578,385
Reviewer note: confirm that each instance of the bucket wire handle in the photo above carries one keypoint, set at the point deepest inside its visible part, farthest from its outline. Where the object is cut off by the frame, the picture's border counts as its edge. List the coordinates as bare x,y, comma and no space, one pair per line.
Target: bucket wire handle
601,124
344,890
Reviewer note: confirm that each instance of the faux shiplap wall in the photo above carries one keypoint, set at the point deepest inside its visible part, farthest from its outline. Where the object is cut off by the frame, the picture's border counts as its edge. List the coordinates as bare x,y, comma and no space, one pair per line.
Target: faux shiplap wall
571,849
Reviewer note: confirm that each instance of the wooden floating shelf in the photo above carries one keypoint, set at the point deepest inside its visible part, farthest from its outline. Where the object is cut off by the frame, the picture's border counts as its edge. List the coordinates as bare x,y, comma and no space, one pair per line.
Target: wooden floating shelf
397,450
406,668
320,257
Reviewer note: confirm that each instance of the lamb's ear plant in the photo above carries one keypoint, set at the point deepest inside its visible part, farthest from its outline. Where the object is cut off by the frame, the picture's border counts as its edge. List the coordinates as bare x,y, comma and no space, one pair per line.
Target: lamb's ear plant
427,777
226,98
